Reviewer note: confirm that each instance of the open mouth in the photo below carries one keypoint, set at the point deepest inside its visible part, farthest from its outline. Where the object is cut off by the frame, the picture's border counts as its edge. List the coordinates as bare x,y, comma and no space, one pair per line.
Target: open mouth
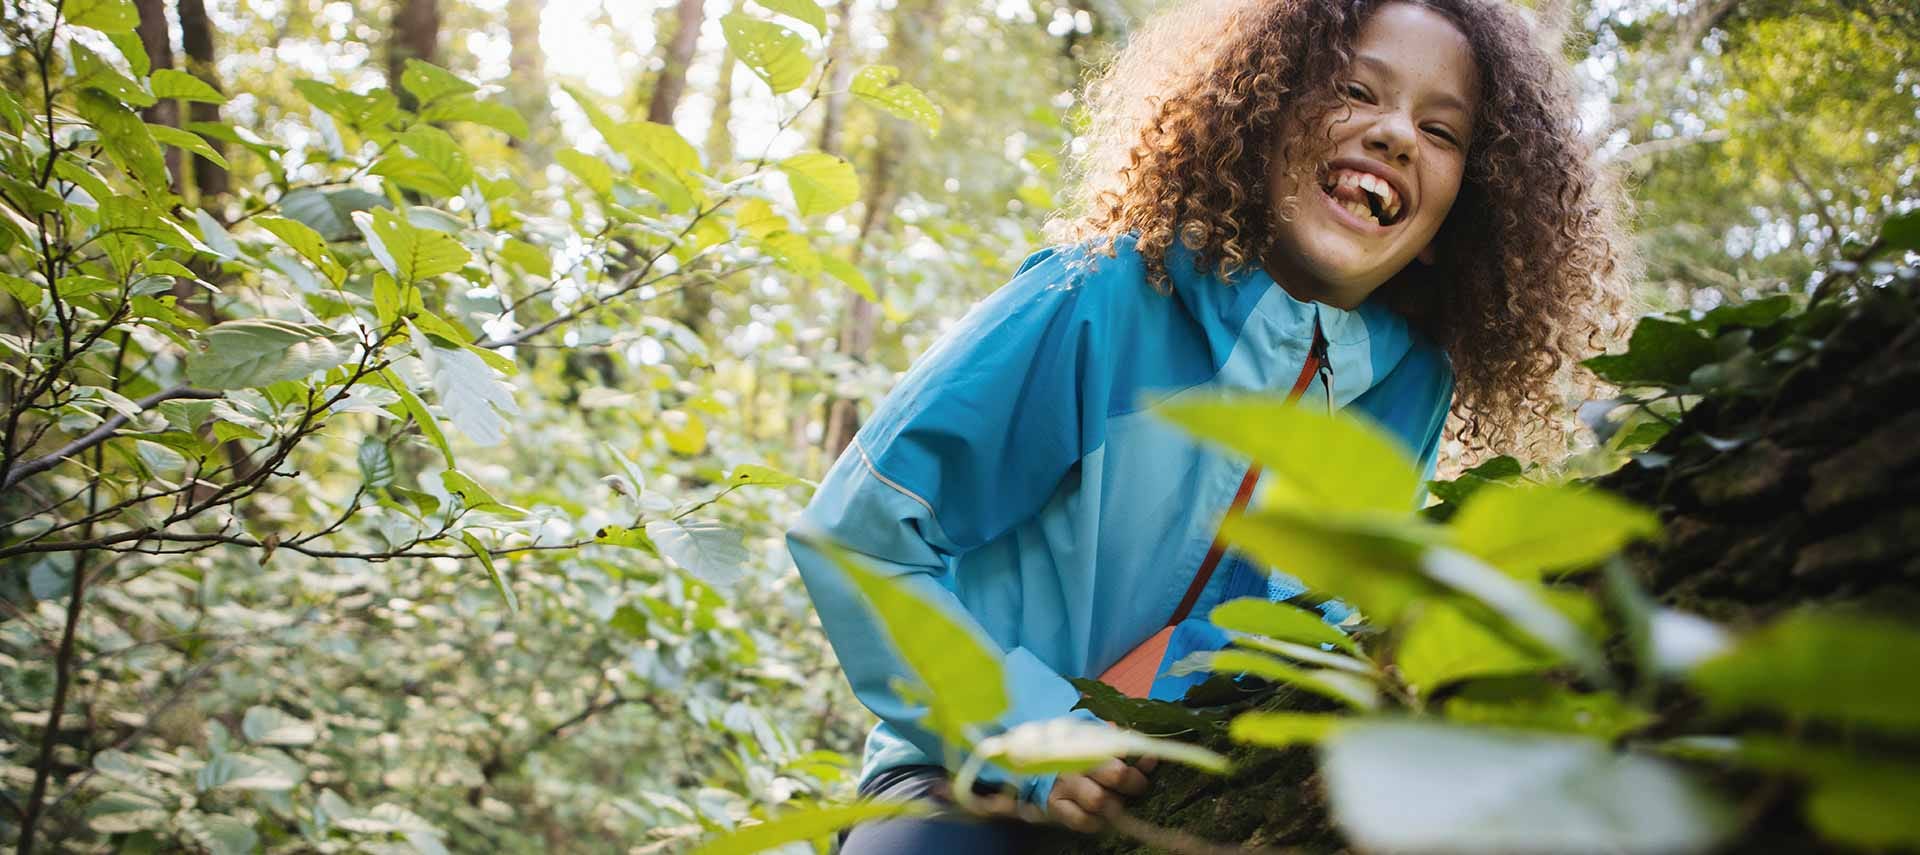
1365,195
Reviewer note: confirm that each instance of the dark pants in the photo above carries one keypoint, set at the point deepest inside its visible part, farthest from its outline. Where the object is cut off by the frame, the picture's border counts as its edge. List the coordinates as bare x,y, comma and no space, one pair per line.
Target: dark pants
946,836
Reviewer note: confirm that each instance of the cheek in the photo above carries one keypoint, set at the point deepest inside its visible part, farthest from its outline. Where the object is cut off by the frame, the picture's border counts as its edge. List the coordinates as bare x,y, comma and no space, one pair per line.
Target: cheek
1444,183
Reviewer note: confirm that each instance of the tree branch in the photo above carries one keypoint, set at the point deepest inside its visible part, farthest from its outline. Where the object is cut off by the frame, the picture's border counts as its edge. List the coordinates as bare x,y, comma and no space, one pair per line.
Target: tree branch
99,435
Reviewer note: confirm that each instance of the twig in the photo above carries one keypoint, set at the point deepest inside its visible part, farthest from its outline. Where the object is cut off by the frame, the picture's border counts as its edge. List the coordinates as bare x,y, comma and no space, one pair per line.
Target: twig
98,435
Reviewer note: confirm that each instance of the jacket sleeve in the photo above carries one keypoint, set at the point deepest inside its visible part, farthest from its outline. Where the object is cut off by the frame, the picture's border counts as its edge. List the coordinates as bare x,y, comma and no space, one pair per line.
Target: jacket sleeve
974,440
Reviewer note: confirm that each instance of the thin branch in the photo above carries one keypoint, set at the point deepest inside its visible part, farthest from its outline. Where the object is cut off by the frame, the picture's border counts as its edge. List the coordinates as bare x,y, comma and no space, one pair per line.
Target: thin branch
99,434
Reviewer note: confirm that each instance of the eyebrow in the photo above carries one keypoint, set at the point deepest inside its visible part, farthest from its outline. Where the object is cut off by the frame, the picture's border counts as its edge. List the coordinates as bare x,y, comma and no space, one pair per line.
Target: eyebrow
1442,98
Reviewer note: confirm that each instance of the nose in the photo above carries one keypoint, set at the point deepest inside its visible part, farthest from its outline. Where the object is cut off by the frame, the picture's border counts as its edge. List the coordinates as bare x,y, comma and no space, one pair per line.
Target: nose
1391,136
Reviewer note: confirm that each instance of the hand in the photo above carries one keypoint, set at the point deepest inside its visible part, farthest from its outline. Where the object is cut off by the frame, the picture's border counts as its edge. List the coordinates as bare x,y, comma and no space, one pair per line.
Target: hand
1083,802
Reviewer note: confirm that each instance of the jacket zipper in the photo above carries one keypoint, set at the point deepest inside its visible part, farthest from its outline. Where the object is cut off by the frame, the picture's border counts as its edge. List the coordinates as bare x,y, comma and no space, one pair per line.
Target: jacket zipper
1319,364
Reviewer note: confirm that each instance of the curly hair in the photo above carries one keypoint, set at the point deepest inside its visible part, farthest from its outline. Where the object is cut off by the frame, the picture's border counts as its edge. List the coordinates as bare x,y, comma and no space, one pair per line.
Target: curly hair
1533,266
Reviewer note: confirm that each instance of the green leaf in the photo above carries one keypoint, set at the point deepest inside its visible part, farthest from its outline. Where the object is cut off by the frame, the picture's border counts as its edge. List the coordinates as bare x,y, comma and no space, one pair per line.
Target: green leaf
372,112
107,16
474,496
254,352
1261,616
406,251
1660,353
1902,231
631,538
1752,313
1536,704
1443,645
1327,463
1143,715
232,771
427,81
186,141
1493,471
774,53
376,464
439,149
962,670
753,475
880,86
807,824
1532,530
414,174
329,212
173,83
807,11
304,240
1284,729
466,108
1525,606
93,72
486,560
1372,564
1861,799
1413,787
125,137
127,812
708,550
845,271
271,726
527,257
1067,744
1337,686
26,291
589,169
412,405
1831,666
821,183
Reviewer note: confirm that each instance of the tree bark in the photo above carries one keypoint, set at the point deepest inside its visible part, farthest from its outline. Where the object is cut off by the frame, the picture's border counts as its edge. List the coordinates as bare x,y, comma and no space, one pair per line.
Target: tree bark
528,66
719,138
416,35
840,60
196,36
911,45
157,42
672,84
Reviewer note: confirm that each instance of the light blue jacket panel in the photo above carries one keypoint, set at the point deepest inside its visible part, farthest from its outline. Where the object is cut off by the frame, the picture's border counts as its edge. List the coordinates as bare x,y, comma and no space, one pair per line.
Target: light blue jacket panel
1015,478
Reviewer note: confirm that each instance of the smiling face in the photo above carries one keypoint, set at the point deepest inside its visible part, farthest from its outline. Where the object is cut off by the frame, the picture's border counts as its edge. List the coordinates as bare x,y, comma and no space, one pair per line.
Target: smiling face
1398,150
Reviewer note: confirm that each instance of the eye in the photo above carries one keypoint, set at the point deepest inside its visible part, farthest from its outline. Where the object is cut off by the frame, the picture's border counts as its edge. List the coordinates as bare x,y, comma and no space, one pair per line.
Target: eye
1357,92
1441,132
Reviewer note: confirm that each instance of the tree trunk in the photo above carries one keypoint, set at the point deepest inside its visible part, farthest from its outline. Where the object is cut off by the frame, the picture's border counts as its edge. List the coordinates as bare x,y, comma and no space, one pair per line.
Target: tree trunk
528,67
840,60
416,35
719,145
196,36
154,38
911,45
672,84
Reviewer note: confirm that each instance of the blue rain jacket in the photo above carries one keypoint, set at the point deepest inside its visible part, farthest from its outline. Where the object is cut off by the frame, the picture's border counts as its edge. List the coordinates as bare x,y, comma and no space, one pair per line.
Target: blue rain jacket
1016,478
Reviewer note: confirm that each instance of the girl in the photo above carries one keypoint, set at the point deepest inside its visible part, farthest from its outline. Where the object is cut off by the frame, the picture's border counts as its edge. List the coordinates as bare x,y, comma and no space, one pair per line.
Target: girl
1384,207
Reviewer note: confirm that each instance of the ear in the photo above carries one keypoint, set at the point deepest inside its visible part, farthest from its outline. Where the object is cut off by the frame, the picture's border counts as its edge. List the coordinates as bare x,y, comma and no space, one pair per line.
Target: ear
1427,254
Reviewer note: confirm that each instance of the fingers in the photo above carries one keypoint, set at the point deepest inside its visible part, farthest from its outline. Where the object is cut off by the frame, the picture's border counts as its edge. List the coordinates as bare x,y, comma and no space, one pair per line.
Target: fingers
1078,801
1121,778
1146,764
994,805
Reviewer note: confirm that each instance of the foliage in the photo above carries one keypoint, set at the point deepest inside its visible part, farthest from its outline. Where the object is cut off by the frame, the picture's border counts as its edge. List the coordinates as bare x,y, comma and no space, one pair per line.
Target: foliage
301,547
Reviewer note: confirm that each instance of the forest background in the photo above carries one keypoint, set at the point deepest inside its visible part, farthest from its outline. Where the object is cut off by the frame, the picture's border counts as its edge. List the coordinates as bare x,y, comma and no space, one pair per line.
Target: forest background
405,400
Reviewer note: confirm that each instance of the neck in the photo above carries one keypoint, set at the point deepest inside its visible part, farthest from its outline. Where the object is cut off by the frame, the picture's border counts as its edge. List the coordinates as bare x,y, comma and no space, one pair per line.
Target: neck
1307,289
